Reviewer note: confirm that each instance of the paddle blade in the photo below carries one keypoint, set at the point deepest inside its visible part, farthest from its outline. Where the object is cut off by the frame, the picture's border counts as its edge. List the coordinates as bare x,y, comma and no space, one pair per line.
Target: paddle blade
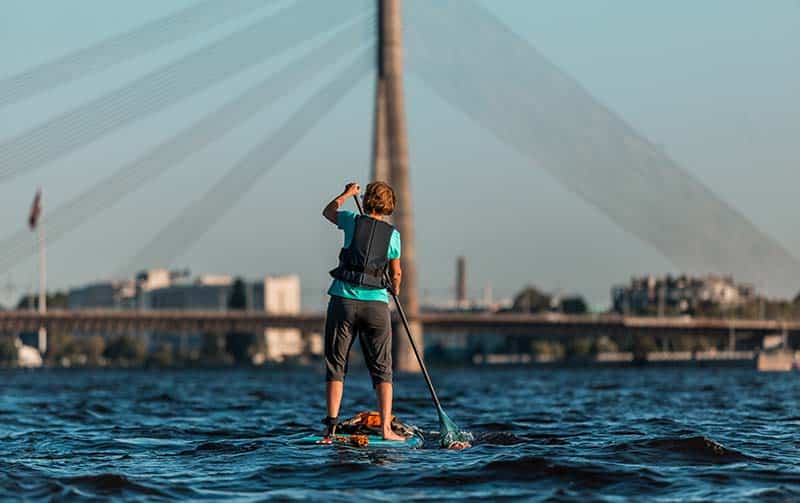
451,437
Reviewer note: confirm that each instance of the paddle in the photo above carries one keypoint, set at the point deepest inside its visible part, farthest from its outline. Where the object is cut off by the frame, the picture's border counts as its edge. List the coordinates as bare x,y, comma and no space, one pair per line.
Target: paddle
451,436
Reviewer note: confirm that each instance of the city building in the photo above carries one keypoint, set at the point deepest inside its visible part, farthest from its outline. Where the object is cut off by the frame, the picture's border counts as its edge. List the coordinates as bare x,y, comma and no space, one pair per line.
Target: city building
282,296
153,280
207,293
669,295
275,295
113,294
162,289
156,278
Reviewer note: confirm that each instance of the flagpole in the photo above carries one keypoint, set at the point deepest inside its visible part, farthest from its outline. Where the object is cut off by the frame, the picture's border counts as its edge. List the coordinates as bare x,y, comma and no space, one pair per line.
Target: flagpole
42,342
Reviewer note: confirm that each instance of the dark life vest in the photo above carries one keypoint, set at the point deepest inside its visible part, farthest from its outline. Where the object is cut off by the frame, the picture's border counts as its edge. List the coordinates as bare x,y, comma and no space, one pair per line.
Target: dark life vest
364,262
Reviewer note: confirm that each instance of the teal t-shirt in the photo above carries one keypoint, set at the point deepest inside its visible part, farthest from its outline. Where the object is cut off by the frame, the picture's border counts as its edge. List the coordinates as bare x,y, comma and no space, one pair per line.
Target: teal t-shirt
347,222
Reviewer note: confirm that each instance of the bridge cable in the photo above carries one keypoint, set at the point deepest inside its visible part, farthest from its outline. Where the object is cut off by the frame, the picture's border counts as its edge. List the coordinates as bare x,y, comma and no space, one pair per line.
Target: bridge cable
197,218
170,84
122,47
500,81
134,175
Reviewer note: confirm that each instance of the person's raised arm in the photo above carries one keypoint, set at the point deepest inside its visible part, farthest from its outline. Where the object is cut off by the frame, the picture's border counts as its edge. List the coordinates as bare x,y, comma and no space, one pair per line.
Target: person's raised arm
331,210
395,274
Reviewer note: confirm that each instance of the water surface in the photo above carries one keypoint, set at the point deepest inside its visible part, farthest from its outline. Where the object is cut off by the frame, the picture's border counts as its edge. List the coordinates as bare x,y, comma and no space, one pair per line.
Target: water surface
540,435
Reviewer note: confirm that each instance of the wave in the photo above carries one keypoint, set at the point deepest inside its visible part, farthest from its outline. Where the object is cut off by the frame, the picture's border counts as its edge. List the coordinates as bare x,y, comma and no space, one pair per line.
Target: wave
540,419
492,426
605,387
697,449
260,395
222,447
147,436
532,468
774,494
546,438
499,438
109,484
161,397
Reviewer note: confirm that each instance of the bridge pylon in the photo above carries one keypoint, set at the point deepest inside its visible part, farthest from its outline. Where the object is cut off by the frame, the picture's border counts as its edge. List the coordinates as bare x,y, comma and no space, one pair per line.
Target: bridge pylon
390,164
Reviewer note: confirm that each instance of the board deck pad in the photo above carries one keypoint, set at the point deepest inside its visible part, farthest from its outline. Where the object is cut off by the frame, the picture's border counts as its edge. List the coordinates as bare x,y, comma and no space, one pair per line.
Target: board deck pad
361,441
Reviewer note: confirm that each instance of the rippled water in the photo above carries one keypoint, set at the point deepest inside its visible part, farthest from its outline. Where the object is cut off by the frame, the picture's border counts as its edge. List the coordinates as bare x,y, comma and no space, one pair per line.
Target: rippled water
541,434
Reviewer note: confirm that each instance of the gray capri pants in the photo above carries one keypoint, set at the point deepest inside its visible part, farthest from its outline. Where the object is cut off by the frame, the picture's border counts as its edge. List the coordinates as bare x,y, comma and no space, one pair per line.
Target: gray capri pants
371,321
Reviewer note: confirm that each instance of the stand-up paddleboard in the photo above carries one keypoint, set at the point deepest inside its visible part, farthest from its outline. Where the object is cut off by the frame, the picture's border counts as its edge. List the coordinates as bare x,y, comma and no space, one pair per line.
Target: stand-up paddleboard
363,430
361,441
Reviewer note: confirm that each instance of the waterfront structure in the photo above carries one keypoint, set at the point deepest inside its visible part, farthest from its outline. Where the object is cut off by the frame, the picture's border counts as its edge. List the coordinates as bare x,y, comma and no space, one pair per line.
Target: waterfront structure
282,297
109,294
651,295
176,291
160,289
27,356
491,326
275,295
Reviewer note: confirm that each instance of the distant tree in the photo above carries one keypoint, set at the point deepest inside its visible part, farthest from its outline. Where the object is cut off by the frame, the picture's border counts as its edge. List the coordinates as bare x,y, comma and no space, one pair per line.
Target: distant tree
531,300
93,347
9,353
604,344
574,305
239,345
580,347
708,309
548,349
702,343
691,342
56,300
643,344
57,343
67,349
212,350
238,296
126,350
162,357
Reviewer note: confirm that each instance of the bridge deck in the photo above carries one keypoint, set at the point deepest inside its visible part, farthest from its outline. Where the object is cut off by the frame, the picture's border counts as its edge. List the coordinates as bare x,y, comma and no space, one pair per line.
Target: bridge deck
113,321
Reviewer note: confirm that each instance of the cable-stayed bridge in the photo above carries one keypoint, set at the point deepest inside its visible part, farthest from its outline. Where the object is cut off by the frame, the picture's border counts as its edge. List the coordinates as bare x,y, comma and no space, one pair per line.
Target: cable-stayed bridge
456,47
514,325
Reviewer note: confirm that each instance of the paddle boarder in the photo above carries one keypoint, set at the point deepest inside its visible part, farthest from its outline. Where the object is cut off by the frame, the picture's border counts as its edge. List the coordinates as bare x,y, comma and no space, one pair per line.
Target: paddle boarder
359,301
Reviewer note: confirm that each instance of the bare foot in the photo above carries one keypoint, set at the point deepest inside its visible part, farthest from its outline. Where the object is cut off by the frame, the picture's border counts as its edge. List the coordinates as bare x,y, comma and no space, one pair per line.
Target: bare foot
459,446
390,435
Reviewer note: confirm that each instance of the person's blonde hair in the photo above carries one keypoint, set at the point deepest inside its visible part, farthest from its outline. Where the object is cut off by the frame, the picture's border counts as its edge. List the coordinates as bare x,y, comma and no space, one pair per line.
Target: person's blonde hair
379,198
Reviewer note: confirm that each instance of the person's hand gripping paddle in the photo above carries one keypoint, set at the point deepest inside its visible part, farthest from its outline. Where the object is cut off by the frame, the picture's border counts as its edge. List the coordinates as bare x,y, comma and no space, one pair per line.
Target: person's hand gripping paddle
451,437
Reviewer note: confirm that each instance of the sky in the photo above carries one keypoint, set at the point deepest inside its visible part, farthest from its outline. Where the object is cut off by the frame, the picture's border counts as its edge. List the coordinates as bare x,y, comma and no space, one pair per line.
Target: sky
712,82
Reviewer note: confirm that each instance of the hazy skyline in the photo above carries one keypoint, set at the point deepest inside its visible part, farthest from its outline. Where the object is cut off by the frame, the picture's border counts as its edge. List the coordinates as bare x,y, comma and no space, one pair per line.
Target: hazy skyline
717,96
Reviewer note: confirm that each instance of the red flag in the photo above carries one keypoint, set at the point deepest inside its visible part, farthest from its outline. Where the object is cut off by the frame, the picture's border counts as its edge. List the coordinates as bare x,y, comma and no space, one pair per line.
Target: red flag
36,210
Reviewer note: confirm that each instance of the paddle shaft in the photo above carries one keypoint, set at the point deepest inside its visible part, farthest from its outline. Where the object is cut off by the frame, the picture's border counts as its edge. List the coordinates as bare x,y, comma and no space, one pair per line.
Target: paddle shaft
404,319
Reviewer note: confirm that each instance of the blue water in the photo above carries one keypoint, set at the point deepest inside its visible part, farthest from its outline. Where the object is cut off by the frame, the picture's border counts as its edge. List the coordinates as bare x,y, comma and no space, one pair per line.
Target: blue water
647,434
